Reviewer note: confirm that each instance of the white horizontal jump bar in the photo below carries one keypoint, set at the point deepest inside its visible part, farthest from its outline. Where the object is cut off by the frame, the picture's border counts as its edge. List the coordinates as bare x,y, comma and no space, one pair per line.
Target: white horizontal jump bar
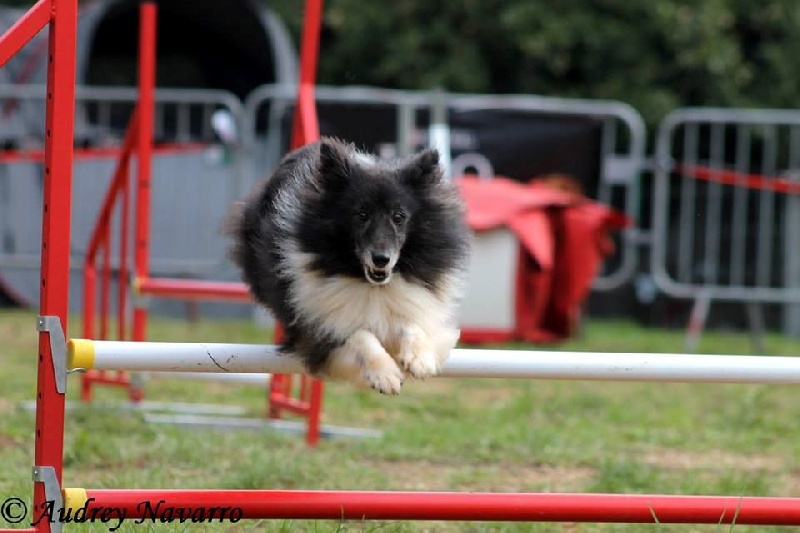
531,364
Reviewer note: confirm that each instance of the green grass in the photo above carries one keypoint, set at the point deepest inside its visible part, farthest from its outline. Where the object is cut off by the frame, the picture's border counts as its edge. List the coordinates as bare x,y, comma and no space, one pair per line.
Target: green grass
468,434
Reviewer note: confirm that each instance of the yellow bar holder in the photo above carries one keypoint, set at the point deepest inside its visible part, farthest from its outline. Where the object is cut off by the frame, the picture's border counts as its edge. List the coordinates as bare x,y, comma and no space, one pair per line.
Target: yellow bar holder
136,285
80,354
74,498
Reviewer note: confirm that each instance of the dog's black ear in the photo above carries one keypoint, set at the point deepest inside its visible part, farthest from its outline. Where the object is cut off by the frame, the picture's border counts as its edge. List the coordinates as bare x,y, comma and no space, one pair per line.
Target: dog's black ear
423,169
334,165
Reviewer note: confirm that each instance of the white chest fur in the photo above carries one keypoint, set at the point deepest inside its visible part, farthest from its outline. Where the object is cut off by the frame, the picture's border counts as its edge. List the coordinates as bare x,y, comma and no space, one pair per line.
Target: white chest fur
341,306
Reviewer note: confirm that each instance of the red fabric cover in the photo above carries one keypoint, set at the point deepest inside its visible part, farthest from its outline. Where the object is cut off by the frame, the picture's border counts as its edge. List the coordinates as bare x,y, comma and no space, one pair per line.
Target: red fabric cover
563,239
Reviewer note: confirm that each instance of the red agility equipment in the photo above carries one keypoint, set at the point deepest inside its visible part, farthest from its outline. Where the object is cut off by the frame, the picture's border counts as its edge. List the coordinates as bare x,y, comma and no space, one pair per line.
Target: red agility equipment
366,505
61,16
303,398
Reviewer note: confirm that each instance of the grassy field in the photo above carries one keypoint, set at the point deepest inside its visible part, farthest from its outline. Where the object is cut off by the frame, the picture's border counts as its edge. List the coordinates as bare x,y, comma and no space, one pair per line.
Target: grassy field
468,435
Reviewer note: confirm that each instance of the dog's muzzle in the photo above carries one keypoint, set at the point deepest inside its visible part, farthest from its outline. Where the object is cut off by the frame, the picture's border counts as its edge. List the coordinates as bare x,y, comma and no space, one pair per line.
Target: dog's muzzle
378,268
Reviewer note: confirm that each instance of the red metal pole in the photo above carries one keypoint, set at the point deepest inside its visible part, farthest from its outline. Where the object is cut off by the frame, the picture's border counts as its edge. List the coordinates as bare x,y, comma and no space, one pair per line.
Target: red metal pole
120,175
103,221
105,282
305,129
147,81
22,31
306,124
57,197
86,390
367,505
276,392
89,280
314,411
119,181
122,280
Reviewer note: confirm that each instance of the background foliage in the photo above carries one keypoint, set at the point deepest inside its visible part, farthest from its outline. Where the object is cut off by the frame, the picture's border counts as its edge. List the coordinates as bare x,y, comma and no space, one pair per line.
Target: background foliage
655,55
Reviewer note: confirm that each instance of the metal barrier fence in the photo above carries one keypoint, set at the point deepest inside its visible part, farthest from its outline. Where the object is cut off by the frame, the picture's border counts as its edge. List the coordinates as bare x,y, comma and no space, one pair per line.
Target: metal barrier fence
398,122
196,176
621,160
211,148
726,210
724,199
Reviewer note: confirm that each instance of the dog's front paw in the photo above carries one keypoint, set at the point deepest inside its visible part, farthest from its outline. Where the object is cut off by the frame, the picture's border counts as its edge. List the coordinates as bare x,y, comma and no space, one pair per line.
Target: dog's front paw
417,356
419,365
364,361
388,379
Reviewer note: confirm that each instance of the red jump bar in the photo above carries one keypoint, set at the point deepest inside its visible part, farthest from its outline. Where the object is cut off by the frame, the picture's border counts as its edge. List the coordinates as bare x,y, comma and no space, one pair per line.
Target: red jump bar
193,289
100,152
370,505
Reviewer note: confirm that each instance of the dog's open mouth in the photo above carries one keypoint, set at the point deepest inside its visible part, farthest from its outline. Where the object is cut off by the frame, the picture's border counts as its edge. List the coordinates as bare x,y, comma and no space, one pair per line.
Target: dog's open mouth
377,276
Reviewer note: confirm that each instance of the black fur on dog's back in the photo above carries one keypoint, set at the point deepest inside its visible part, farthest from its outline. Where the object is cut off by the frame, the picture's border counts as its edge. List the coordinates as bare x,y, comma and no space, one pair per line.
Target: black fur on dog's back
306,207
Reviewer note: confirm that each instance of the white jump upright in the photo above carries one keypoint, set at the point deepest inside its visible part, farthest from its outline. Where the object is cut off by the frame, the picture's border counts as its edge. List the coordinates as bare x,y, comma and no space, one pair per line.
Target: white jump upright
472,363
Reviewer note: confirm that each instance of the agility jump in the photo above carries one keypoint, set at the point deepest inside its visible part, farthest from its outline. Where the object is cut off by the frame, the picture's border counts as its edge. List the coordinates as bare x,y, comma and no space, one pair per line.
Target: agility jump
301,397
463,363
61,17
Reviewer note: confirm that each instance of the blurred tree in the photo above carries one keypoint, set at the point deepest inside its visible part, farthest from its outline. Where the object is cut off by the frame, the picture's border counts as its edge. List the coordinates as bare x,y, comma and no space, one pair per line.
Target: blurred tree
655,55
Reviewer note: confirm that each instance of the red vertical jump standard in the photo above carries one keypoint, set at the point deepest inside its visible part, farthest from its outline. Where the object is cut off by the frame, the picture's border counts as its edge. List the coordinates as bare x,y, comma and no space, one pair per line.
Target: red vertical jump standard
305,130
61,17
146,104
301,396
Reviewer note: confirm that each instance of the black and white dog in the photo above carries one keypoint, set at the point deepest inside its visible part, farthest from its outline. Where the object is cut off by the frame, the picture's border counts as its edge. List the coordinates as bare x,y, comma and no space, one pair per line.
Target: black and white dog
363,261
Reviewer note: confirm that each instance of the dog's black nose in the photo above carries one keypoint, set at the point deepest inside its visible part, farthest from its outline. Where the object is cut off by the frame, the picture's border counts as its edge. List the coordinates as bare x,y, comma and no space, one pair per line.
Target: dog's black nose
380,259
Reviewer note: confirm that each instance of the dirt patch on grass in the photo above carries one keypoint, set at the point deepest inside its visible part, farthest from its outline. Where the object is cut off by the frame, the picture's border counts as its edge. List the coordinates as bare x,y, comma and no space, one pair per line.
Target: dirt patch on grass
430,476
793,484
783,481
6,406
469,392
7,441
715,459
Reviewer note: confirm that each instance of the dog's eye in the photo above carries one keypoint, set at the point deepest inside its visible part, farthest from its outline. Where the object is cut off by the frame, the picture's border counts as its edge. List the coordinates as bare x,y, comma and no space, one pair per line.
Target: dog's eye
362,215
398,217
